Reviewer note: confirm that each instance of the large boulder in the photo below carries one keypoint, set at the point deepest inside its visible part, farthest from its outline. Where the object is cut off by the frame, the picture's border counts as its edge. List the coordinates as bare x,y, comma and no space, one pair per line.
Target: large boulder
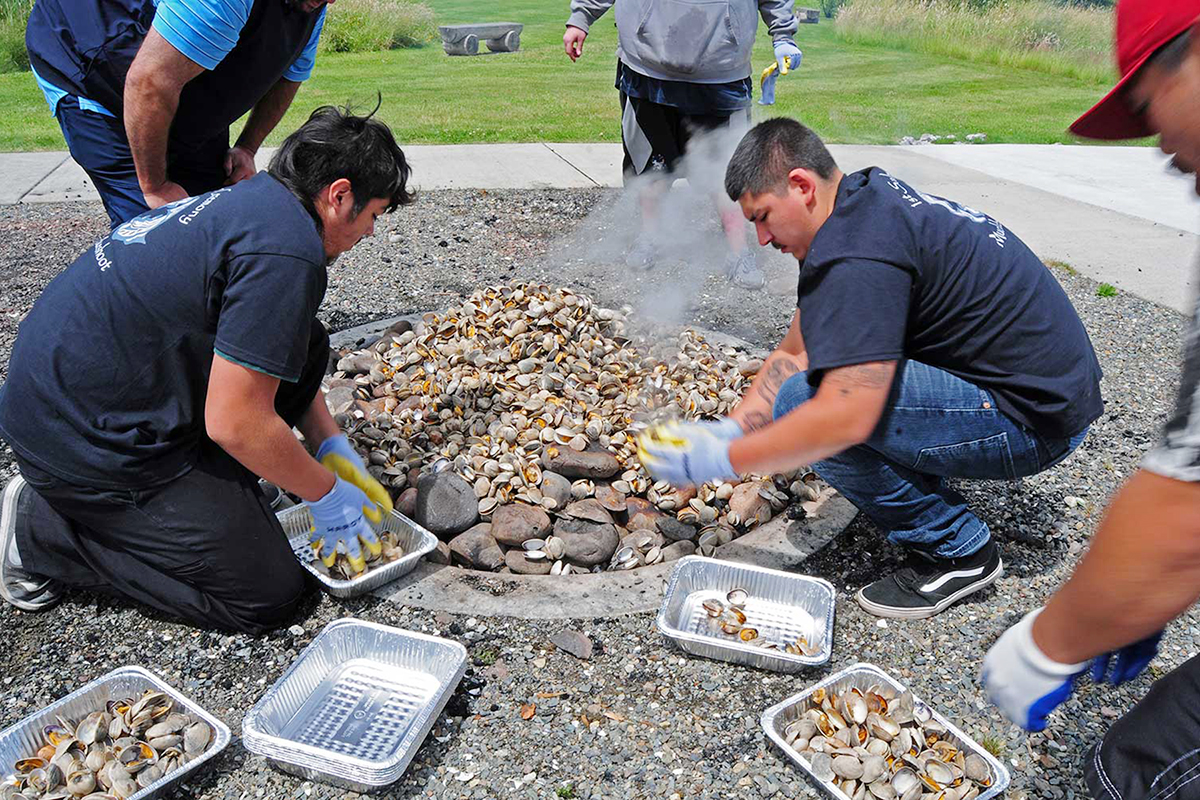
515,523
586,543
521,565
446,504
582,463
475,548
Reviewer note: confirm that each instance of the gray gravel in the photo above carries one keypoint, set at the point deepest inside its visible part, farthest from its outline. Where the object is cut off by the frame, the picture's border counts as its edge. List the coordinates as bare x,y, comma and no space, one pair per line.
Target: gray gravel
660,724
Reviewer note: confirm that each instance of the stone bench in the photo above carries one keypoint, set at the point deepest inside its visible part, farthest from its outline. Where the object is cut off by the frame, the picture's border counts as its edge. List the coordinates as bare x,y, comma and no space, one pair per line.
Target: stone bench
809,15
463,40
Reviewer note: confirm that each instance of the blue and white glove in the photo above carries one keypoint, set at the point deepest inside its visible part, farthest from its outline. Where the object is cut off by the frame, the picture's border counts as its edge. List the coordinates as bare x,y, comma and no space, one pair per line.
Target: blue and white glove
337,455
339,525
785,48
724,428
1122,665
1022,681
685,454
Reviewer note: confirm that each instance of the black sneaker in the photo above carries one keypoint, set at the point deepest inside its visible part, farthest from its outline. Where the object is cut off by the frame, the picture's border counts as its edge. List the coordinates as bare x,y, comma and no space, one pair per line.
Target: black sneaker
928,586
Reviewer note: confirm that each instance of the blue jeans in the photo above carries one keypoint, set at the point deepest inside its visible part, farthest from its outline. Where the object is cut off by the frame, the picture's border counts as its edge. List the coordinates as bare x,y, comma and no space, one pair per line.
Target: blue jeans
935,426
97,143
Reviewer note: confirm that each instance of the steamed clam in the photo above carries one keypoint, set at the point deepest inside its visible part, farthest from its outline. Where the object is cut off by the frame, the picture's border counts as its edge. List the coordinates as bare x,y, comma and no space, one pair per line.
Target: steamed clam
88,761
849,737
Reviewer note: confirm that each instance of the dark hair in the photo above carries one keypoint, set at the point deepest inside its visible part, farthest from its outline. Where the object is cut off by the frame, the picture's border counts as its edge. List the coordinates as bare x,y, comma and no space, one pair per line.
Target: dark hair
1172,54
335,144
769,151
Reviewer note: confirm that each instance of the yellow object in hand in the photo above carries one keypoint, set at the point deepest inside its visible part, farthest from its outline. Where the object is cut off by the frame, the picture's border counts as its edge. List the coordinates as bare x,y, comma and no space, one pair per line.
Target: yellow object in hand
346,470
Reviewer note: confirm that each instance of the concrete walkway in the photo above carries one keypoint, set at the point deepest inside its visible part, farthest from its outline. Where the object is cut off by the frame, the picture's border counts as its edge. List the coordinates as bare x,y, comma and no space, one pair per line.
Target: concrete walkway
1113,213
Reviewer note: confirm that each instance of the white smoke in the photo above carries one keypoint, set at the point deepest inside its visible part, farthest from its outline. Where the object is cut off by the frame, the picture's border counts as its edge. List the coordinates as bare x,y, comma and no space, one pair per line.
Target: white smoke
691,242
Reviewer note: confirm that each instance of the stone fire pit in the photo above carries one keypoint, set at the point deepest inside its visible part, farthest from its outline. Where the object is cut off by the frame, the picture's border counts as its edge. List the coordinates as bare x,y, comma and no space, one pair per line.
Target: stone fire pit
506,426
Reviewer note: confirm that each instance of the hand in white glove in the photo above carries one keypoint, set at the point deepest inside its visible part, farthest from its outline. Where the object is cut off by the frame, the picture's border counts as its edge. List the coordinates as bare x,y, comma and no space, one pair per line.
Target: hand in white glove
1022,681
787,49
685,454
724,428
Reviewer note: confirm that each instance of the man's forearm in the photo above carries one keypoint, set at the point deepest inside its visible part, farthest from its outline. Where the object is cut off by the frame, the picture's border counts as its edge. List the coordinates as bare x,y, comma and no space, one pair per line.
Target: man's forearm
813,431
317,424
586,12
1142,571
266,114
266,446
757,407
150,107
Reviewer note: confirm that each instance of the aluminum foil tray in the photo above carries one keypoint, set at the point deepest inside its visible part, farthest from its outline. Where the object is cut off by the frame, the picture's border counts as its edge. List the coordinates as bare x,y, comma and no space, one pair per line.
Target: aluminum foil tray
356,705
782,606
776,718
411,538
23,739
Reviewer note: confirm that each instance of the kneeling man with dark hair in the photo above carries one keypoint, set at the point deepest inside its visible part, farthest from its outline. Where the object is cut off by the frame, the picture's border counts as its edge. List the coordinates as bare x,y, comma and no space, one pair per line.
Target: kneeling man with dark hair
160,375
929,343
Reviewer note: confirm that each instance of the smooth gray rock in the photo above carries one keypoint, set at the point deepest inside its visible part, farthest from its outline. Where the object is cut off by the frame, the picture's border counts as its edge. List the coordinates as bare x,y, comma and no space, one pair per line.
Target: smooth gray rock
446,504
477,549
339,400
675,530
518,563
676,551
515,523
583,464
407,502
586,543
440,554
556,486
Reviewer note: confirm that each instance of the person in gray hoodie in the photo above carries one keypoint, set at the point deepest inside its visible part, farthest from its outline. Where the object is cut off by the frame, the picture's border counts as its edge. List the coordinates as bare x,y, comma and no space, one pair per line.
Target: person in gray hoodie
683,67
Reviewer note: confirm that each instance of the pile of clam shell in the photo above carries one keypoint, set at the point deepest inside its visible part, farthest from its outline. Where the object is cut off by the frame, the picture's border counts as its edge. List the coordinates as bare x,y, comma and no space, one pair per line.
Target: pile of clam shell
343,570
521,380
880,744
110,754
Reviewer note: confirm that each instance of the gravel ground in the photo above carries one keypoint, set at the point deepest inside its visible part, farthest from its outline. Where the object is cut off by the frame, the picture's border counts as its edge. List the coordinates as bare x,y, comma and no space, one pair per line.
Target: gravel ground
637,719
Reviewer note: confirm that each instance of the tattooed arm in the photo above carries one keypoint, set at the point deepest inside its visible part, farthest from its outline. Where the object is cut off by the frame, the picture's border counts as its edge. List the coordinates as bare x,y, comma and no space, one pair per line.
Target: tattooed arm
843,413
756,408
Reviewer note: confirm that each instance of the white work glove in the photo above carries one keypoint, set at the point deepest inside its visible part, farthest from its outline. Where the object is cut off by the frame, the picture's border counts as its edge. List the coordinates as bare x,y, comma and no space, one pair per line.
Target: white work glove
725,428
1022,681
787,49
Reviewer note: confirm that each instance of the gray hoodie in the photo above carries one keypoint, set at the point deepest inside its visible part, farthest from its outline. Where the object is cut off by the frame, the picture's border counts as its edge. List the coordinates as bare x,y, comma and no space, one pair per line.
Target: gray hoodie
698,41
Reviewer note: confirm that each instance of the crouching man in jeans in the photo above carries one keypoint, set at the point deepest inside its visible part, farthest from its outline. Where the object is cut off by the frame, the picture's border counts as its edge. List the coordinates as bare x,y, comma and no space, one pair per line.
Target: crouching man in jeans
160,375
929,343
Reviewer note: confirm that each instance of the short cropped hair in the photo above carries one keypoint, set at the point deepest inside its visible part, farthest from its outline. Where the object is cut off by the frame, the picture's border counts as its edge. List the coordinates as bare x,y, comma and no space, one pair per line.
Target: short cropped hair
335,143
769,151
1172,54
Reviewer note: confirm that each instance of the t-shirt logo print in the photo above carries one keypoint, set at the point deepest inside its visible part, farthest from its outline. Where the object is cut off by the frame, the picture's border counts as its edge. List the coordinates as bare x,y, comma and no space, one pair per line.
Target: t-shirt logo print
137,229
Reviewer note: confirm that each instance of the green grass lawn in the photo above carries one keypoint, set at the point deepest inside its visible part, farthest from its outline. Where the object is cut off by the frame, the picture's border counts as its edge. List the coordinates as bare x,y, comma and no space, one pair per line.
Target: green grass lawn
847,93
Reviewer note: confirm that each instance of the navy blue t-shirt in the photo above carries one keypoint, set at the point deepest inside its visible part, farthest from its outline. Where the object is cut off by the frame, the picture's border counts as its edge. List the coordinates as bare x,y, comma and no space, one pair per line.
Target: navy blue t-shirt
897,274
109,373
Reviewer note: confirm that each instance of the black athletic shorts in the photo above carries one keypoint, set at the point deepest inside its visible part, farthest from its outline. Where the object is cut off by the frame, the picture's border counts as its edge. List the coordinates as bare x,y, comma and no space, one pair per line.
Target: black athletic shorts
655,137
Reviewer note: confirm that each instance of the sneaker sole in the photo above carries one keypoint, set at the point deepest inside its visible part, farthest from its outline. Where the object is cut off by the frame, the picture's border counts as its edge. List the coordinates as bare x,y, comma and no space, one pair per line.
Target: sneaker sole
929,611
8,529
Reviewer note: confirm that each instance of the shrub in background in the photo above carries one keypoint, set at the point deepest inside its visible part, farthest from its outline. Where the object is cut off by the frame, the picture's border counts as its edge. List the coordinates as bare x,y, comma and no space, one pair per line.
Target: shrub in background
830,7
13,16
1063,37
362,26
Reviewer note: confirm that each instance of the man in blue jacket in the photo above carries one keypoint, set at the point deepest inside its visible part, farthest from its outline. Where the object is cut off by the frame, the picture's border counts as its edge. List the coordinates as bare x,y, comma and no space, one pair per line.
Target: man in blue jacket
145,90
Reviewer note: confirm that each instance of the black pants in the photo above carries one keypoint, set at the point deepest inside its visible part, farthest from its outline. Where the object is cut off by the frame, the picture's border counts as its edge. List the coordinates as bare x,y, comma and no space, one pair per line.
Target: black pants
1153,752
205,547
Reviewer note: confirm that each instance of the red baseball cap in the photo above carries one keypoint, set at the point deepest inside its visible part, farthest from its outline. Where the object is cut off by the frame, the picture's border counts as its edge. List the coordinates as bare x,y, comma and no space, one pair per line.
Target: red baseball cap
1143,26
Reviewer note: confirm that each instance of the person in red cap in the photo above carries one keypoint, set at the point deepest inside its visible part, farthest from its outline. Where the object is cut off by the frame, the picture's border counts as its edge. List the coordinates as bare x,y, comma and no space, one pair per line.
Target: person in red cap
1143,568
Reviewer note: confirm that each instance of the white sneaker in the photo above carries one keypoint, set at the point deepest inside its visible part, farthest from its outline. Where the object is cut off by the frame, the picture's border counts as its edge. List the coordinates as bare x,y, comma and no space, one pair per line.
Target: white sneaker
741,269
19,587
643,254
